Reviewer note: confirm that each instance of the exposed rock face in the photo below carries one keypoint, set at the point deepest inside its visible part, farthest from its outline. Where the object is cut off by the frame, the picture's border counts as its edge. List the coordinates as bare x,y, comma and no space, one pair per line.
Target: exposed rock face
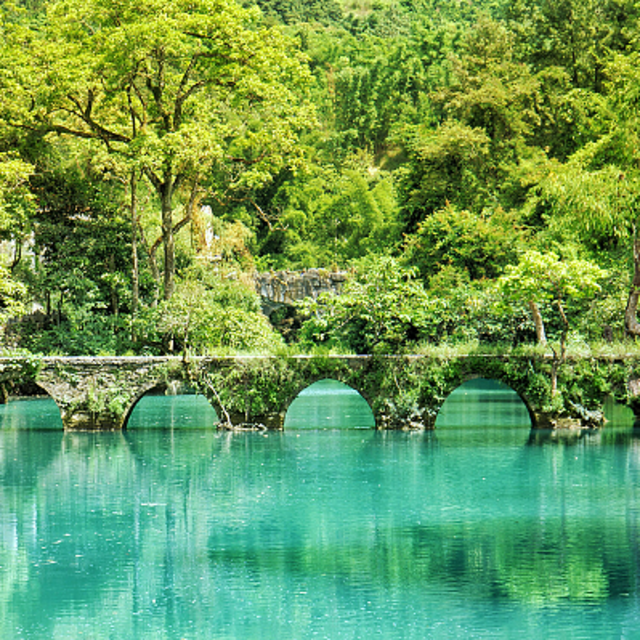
286,287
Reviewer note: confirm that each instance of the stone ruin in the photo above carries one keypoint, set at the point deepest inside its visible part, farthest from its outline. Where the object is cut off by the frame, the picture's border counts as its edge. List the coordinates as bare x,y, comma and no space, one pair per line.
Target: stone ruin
277,288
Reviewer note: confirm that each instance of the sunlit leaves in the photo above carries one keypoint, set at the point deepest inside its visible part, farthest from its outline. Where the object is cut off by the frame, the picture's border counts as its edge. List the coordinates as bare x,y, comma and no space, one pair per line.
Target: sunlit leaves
601,205
382,309
206,317
16,199
543,277
479,244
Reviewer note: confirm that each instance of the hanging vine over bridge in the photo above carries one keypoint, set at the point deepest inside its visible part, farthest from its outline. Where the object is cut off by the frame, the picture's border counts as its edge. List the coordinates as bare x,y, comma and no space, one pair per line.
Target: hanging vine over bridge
404,391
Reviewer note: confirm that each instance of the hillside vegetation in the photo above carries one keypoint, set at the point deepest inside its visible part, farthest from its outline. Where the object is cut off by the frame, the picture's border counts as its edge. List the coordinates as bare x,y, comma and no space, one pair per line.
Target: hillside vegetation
474,164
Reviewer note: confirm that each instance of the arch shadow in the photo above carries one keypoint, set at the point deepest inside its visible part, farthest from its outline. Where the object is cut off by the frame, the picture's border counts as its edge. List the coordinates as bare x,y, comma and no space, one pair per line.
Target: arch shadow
329,403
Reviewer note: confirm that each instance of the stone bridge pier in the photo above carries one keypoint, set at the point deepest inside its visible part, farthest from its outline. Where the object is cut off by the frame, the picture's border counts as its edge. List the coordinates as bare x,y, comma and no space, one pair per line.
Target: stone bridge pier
404,392
98,393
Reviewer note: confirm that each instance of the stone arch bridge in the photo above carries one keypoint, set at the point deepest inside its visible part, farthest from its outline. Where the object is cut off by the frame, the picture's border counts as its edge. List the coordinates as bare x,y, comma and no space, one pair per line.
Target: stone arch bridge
404,392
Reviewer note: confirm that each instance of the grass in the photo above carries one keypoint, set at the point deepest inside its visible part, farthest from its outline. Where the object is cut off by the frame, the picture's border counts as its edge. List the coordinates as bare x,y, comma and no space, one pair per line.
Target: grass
576,348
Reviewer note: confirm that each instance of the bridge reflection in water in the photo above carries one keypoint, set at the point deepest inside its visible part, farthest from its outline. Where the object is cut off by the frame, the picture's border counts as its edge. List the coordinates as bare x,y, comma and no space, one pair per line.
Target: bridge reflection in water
489,404
481,412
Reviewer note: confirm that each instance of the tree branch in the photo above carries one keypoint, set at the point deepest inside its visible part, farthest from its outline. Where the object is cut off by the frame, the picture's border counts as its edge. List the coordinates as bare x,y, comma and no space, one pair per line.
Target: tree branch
193,198
84,113
153,178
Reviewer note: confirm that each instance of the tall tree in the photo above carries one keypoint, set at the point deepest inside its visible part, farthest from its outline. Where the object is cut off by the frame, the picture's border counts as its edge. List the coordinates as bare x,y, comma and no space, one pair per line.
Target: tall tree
183,90
472,150
15,209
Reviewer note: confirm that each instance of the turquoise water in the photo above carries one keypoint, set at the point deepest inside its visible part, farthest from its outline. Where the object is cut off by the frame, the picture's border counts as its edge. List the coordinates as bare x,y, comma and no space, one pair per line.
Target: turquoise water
329,404
473,531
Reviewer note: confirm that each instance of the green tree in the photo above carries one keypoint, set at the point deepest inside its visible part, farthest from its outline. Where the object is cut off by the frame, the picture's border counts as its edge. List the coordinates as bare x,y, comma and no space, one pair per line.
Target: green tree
382,309
326,217
16,202
12,299
186,91
79,270
541,278
596,207
209,314
482,245
16,208
475,149
296,11
574,35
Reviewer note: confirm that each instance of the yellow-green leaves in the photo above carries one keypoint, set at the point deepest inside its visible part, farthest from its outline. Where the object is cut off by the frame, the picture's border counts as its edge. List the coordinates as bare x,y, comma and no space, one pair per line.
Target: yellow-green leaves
543,277
194,94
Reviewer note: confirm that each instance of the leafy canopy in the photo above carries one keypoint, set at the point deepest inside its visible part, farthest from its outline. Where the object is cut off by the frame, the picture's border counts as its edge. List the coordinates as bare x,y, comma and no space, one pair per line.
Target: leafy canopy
192,93
543,277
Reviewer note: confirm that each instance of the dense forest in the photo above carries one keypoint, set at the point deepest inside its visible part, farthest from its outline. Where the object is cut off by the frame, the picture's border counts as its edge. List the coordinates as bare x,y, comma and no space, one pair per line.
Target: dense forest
473,165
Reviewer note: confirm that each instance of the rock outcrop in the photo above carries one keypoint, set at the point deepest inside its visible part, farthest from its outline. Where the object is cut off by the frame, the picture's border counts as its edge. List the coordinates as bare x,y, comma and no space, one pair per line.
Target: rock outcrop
278,288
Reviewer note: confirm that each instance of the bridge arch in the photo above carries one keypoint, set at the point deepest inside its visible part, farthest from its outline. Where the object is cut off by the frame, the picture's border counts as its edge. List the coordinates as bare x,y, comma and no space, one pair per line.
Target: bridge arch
483,387
49,392
44,413
165,388
333,402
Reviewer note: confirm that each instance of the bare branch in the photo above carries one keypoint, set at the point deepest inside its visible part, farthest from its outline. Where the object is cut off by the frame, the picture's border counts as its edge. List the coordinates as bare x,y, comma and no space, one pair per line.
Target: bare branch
247,162
262,214
177,113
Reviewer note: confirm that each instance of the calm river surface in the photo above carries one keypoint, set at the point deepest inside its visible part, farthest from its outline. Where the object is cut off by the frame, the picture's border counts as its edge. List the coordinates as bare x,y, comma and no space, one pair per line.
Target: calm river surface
173,530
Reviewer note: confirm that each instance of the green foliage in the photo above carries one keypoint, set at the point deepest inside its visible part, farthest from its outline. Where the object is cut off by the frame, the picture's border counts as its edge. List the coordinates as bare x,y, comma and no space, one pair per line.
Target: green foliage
575,35
294,11
480,245
188,93
77,330
16,209
464,134
329,217
598,207
16,199
12,299
479,135
472,312
209,315
544,278
382,309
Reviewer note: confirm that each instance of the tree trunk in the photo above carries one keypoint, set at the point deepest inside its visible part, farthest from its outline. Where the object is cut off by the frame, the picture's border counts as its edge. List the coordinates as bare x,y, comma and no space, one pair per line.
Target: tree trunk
565,331
538,322
168,240
17,254
153,262
115,302
135,269
630,315
554,376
